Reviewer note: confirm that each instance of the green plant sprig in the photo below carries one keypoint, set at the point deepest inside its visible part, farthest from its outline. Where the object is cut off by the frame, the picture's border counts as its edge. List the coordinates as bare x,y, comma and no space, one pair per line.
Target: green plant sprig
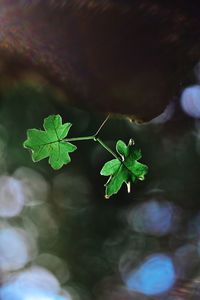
52,143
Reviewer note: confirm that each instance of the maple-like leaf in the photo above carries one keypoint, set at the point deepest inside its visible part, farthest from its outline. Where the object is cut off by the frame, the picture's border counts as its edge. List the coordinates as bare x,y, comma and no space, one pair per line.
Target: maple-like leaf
50,142
124,170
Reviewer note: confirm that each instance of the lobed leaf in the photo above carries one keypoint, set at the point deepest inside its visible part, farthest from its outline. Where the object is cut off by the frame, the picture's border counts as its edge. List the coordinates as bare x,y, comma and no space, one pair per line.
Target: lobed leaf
124,170
50,142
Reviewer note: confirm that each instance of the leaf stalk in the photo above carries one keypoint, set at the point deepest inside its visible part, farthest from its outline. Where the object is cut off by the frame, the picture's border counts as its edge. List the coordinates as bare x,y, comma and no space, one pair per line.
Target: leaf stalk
106,148
95,138
82,138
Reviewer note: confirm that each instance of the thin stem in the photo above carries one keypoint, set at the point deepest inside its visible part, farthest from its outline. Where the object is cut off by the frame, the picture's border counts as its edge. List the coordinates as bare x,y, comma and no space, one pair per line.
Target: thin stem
81,138
96,139
107,148
90,137
102,125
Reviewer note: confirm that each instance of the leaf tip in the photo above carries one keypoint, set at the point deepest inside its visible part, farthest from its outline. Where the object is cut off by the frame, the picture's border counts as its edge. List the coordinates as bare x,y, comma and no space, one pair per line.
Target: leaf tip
131,142
128,184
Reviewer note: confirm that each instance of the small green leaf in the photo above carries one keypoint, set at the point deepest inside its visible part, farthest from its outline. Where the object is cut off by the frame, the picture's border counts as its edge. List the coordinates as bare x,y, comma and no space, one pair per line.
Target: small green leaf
138,169
50,143
124,170
115,181
137,154
110,167
121,148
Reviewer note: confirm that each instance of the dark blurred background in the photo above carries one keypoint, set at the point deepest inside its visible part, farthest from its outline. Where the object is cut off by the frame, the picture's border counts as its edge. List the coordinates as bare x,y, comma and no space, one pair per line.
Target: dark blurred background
60,239
59,235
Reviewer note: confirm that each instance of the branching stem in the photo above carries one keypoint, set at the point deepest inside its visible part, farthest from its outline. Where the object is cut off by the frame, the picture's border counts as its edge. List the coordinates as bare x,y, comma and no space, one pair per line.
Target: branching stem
95,138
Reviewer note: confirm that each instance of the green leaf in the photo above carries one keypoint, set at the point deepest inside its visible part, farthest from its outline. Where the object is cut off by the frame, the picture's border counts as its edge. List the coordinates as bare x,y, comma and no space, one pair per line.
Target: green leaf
115,181
124,170
121,148
110,167
50,143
